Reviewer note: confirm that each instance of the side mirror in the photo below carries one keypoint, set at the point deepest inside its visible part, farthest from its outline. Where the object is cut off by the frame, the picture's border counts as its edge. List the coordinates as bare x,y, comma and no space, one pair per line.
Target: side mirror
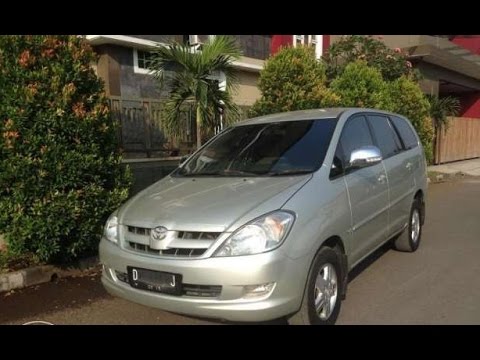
365,156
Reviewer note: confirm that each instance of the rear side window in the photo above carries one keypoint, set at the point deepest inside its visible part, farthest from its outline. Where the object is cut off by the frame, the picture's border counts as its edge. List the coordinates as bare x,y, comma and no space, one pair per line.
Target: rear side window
405,131
355,134
386,137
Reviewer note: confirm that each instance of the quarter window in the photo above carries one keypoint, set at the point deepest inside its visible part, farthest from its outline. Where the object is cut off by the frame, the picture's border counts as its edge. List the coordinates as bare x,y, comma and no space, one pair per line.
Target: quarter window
387,139
409,139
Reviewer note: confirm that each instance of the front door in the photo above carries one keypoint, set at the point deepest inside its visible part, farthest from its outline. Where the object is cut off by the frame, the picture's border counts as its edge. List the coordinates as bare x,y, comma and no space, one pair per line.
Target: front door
368,192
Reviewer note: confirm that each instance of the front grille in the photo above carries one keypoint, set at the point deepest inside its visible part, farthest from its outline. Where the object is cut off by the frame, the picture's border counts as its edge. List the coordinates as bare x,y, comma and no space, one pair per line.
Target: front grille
138,230
168,252
195,235
185,243
184,235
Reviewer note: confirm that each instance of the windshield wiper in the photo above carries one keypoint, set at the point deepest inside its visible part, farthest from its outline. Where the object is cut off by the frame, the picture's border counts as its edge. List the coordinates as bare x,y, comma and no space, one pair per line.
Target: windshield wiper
290,172
215,173
238,172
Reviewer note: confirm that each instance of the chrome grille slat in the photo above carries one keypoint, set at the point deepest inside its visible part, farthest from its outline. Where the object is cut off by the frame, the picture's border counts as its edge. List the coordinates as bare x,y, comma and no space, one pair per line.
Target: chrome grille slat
172,252
187,244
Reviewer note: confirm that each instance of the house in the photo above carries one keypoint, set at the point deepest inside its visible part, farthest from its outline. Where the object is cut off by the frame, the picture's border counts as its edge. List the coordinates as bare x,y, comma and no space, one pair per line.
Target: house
136,99
449,64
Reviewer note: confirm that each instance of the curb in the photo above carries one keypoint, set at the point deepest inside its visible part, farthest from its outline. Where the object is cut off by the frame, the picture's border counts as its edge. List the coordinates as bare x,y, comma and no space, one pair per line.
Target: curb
437,177
41,274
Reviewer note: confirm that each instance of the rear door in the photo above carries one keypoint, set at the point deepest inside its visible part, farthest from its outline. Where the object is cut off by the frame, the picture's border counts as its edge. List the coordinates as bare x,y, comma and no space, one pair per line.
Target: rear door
367,189
398,166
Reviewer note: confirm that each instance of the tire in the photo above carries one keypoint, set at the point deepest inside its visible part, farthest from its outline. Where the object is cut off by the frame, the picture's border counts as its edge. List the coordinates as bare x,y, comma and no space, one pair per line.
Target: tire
409,239
326,260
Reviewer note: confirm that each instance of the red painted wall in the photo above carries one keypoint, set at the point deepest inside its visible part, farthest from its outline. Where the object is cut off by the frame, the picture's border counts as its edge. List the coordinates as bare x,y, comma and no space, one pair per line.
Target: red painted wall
326,43
471,43
470,105
280,40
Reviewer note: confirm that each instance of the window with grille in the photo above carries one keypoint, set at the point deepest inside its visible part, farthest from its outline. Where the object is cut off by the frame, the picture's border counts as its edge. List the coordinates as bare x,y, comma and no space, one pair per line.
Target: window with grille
143,59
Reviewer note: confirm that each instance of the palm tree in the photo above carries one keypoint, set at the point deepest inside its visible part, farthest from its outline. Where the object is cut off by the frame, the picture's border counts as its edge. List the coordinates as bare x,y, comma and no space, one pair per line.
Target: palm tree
190,75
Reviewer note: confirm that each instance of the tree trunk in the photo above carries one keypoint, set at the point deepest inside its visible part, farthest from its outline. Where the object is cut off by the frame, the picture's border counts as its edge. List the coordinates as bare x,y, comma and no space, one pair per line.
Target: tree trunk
199,123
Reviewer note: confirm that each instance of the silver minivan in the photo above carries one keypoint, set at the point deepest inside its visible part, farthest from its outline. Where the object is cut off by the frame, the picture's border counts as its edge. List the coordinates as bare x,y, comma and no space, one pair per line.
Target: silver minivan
266,220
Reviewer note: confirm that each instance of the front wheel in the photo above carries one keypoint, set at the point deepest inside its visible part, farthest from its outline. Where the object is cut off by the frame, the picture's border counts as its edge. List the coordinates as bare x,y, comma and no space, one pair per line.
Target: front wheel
322,297
409,239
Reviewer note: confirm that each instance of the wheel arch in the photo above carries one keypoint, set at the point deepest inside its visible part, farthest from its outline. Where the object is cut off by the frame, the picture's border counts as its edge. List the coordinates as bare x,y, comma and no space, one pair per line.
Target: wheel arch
419,195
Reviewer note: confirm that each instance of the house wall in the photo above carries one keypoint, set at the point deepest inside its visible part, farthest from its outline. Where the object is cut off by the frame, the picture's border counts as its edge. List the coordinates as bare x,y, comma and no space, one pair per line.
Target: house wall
254,46
115,67
470,105
247,91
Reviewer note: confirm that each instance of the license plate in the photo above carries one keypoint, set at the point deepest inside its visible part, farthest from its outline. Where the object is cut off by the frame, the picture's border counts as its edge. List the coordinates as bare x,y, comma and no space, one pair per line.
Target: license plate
157,281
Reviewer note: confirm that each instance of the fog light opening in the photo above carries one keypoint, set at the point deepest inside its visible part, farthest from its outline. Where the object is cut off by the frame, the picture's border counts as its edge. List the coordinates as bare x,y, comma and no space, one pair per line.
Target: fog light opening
251,291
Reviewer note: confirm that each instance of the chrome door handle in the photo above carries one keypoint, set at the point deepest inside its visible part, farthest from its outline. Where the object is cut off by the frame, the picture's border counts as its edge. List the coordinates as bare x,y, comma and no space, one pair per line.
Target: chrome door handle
381,178
409,166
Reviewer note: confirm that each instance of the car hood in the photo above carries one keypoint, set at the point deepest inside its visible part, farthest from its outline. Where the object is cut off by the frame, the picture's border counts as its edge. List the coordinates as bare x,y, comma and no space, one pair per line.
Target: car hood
208,204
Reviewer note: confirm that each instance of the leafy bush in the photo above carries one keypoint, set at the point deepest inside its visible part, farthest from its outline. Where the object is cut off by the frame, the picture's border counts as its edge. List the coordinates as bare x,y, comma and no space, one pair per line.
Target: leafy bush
291,80
60,172
391,63
403,96
359,86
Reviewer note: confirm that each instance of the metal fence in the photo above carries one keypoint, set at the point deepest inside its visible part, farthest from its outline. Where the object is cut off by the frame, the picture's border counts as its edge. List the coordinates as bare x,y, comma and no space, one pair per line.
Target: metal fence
141,133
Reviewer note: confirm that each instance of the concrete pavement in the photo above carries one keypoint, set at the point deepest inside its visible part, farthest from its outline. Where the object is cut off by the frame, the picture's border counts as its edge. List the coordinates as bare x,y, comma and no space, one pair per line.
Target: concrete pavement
438,284
467,167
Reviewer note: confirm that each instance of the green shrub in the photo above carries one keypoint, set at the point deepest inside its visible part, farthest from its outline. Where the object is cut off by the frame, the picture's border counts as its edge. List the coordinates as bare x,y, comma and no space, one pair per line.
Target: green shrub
60,171
404,96
291,80
359,85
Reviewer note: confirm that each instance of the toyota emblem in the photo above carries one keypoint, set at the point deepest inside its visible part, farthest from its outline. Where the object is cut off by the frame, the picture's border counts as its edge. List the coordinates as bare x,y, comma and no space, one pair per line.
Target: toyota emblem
159,233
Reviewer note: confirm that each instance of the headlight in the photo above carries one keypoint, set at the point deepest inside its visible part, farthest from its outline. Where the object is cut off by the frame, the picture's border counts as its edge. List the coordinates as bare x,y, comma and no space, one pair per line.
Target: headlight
111,228
263,234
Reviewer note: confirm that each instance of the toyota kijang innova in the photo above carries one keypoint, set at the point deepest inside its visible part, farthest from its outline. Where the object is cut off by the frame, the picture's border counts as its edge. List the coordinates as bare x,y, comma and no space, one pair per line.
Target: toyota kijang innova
267,218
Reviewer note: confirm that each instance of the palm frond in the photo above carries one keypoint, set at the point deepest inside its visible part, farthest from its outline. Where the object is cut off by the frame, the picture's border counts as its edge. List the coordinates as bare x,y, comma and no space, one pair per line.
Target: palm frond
442,108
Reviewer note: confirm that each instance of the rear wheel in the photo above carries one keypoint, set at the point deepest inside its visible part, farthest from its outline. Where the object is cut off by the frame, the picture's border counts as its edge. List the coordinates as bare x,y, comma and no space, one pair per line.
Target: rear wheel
323,293
409,239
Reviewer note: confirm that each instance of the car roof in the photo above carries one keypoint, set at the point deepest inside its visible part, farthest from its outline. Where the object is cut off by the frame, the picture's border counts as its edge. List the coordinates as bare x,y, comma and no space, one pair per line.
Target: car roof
314,114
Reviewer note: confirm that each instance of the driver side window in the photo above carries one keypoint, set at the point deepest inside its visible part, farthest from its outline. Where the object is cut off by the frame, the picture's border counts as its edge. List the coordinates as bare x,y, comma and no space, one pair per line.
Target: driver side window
355,134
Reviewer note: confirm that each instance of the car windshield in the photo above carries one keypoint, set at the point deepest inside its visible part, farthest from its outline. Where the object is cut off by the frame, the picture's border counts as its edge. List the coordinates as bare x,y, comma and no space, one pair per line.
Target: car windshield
269,149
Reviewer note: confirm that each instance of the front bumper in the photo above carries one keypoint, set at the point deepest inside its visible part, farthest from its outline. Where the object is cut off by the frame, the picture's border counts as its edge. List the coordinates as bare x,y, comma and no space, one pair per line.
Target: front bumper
231,273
